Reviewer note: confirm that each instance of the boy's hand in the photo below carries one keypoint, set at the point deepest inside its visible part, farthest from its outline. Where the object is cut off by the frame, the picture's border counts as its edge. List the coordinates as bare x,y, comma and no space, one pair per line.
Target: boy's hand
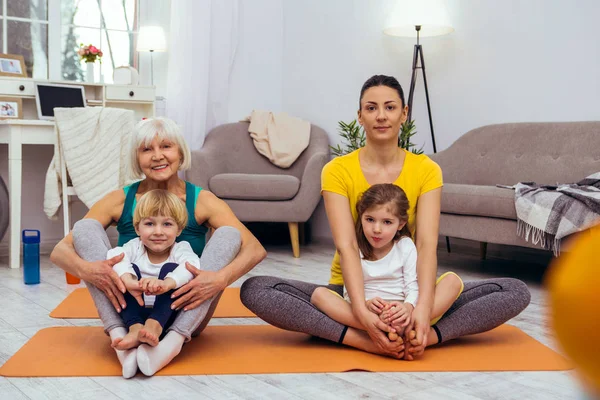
376,305
132,285
155,286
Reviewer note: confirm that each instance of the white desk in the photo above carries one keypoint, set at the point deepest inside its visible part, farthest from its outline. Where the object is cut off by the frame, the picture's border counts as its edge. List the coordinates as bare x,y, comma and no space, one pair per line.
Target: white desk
17,133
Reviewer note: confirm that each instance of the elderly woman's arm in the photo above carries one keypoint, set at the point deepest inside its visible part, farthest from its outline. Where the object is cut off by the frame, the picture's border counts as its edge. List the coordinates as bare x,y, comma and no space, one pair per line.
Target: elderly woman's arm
98,273
211,209
428,224
344,237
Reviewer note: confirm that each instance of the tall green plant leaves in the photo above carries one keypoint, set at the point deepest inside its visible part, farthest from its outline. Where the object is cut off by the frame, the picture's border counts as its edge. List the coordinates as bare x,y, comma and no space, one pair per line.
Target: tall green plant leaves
353,134
354,138
407,131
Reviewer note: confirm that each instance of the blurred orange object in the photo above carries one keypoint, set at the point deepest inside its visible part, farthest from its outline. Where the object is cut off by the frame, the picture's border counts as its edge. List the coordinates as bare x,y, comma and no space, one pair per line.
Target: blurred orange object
574,288
71,279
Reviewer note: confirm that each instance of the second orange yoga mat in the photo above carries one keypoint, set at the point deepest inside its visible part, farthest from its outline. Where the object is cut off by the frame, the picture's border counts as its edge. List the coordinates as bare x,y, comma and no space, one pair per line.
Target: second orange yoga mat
79,305
264,349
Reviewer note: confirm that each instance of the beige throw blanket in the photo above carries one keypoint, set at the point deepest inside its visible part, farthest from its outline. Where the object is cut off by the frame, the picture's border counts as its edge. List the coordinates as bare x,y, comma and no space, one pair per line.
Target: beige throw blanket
278,136
95,143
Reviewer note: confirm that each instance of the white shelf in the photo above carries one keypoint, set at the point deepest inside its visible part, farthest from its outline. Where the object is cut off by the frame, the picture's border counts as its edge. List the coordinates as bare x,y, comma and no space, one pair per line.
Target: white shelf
29,122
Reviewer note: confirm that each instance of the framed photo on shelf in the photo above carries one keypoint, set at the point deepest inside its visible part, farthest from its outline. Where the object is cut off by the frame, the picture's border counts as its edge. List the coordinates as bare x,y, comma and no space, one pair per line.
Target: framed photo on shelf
11,108
12,65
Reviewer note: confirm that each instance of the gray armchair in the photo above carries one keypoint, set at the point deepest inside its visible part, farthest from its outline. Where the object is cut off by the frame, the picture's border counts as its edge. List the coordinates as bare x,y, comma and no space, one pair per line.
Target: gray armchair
257,190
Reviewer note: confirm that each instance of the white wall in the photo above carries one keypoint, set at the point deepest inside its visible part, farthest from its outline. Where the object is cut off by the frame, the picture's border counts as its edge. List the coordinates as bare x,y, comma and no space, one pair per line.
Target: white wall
257,77
509,61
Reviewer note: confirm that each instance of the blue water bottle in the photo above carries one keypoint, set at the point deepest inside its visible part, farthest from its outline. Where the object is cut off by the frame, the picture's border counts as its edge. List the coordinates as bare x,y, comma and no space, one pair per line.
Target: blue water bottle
31,256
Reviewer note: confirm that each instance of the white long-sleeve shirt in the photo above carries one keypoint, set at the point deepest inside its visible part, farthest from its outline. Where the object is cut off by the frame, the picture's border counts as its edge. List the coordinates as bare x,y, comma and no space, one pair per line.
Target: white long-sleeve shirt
393,277
135,253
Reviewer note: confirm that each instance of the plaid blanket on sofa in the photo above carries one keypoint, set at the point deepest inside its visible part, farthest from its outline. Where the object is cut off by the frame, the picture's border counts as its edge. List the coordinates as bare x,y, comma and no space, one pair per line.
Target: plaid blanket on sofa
549,213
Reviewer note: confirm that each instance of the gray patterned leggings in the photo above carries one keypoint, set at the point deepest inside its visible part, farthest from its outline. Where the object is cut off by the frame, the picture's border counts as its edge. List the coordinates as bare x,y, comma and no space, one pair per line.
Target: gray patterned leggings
91,243
285,303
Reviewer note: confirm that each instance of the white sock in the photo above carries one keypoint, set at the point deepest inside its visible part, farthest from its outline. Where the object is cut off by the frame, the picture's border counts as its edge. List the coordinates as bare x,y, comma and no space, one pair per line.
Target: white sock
150,359
127,358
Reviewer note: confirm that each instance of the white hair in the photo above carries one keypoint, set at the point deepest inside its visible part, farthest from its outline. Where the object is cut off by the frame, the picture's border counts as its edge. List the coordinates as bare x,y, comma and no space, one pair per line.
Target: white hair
163,128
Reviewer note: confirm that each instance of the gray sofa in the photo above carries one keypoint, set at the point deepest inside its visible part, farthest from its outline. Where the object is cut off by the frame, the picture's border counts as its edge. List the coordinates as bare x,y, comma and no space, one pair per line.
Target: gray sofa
474,208
257,190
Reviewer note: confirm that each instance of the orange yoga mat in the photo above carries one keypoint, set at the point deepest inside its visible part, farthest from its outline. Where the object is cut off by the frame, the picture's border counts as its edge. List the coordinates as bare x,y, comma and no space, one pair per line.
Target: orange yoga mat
264,349
79,305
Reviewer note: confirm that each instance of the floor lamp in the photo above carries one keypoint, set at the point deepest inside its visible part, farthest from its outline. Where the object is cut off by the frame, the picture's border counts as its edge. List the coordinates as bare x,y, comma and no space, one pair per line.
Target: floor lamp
419,62
424,30
152,39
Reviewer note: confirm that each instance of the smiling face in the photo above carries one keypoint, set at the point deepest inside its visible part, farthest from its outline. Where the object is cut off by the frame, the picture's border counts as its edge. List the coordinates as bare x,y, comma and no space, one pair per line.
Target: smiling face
382,113
158,235
160,159
380,226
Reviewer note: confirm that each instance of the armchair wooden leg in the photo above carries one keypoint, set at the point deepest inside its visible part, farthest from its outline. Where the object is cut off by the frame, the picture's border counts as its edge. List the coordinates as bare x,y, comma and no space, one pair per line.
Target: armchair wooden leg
295,239
482,249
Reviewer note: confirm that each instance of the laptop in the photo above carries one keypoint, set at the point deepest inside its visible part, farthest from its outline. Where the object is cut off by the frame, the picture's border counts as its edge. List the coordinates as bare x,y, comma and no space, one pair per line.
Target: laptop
51,95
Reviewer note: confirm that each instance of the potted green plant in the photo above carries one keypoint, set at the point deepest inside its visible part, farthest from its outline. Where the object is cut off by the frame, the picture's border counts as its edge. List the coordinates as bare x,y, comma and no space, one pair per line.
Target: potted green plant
354,137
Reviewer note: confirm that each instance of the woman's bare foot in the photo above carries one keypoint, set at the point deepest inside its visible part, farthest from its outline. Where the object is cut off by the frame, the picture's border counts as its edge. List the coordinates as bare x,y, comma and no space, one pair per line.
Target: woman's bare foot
150,332
128,341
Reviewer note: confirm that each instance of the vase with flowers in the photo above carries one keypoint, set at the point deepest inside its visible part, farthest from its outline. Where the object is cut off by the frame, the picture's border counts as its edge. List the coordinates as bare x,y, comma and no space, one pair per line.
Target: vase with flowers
90,54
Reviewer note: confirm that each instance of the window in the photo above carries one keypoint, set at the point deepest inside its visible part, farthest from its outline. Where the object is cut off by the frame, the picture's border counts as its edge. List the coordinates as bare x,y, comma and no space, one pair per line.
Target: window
48,40
107,24
24,31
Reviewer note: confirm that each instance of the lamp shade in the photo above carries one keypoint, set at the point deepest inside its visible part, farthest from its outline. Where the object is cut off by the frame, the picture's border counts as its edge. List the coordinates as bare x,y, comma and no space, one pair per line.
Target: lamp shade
151,38
431,15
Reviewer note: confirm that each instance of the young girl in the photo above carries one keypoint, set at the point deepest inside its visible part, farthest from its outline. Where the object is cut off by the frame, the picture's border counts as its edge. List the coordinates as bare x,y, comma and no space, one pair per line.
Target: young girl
389,265
153,265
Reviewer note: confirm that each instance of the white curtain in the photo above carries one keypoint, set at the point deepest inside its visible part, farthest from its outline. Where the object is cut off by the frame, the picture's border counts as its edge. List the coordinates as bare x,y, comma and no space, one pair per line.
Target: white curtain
203,43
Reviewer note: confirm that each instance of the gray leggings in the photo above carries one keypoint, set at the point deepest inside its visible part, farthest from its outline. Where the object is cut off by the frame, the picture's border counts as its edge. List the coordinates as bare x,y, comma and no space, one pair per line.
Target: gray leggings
91,243
285,303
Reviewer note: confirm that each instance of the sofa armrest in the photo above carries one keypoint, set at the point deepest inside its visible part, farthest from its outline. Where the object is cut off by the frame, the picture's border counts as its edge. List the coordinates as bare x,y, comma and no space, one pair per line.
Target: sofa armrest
205,164
309,194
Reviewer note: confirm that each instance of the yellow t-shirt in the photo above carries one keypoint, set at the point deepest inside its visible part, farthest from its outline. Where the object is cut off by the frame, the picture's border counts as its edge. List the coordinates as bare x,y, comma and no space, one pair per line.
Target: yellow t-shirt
343,175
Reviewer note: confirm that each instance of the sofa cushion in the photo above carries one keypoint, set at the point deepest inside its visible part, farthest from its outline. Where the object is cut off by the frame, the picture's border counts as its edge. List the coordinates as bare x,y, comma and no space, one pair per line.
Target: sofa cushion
486,201
254,186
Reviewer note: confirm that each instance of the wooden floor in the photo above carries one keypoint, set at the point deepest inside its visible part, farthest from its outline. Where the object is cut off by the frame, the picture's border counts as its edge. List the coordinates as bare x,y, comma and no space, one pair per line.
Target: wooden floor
24,310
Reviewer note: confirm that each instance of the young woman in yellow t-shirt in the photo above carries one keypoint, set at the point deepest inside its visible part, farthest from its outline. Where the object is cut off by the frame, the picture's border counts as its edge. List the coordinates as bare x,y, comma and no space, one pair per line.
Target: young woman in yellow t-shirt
286,303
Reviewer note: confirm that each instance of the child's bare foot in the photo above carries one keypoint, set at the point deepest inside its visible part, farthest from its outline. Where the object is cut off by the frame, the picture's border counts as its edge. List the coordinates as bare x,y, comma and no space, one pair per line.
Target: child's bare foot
399,330
394,336
150,332
128,341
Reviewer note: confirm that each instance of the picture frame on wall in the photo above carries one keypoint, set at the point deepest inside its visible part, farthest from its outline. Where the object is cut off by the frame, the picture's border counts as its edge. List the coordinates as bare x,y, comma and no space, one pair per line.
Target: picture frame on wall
12,65
11,108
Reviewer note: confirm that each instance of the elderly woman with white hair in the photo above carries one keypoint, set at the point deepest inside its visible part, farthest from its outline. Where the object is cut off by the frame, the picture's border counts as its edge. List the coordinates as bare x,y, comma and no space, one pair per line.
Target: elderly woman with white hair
158,152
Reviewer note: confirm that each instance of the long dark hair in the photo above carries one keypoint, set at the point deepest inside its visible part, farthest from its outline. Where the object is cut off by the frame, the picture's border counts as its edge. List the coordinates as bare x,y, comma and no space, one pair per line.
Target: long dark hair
378,195
382,80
